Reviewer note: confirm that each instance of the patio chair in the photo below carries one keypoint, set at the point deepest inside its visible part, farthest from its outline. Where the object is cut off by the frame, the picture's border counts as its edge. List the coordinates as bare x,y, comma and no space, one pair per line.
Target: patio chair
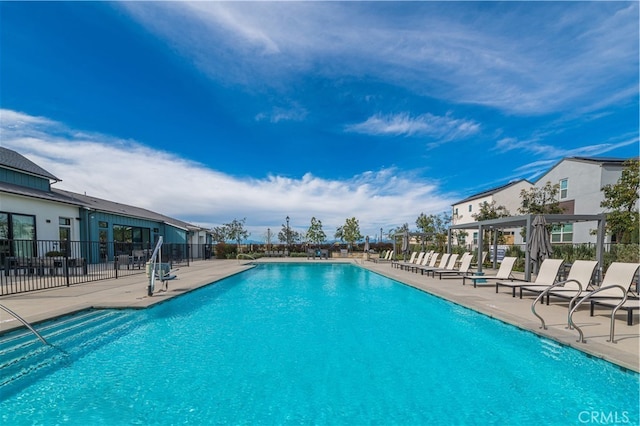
614,292
504,273
547,276
397,263
387,258
416,261
424,262
465,265
451,263
577,280
620,276
441,265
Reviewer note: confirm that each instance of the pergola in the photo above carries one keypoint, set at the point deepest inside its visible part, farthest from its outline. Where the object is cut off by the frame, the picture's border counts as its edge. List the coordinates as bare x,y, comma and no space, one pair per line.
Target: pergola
526,222
423,236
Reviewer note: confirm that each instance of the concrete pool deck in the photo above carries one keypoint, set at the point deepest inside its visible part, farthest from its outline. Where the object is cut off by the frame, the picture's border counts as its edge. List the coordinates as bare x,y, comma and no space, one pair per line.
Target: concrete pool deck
131,292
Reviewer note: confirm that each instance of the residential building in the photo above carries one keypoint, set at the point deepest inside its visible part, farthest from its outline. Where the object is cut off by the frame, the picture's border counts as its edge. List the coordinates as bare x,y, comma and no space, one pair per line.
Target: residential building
31,210
581,180
506,195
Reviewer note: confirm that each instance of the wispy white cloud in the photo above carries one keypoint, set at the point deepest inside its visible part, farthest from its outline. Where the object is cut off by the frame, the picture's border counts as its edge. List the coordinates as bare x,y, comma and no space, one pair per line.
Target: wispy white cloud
278,114
442,128
522,58
131,173
549,154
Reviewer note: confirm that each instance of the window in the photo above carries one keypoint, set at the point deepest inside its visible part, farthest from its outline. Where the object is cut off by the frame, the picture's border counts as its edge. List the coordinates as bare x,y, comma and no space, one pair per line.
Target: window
22,230
103,237
102,224
64,232
129,238
562,233
470,207
455,212
564,186
475,238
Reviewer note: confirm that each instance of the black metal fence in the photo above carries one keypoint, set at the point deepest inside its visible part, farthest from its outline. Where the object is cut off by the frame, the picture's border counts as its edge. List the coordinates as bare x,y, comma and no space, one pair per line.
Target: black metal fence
36,265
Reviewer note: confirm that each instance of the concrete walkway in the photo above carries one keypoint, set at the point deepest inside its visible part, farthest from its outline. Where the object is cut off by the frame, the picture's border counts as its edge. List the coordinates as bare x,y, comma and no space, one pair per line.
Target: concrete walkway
131,292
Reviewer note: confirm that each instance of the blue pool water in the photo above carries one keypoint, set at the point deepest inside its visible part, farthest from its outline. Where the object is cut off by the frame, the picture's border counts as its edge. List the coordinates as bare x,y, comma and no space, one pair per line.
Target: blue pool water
323,344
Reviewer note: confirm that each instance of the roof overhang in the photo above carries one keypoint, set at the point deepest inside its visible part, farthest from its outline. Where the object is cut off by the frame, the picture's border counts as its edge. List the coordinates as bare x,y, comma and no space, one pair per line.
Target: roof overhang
524,220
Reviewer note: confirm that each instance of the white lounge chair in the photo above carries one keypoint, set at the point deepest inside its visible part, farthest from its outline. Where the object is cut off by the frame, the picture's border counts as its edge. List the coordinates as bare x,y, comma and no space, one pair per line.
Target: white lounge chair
581,272
614,292
443,262
387,258
416,261
571,288
504,273
465,265
451,263
411,260
426,260
547,276
620,276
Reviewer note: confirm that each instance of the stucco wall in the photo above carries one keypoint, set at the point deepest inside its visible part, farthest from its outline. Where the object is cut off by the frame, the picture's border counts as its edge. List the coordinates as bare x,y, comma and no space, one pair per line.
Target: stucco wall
44,211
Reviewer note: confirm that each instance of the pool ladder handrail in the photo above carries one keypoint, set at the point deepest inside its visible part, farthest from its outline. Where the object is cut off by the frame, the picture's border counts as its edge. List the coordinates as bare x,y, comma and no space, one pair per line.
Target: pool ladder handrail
581,338
245,255
546,292
23,321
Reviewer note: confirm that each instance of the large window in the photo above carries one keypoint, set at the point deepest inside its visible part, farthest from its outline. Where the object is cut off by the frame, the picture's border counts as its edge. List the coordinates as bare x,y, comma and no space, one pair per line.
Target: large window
562,233
20,228
129,238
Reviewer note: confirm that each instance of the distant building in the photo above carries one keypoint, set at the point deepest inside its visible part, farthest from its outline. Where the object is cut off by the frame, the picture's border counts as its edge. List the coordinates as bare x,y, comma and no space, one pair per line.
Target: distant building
31,210
581,180
506,195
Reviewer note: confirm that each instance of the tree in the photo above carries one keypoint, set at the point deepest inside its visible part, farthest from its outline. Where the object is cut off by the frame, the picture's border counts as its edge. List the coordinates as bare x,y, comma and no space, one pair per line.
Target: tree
490,211
622,200
349,232
236,231
288,235
315,234
436,226
540,200
219,234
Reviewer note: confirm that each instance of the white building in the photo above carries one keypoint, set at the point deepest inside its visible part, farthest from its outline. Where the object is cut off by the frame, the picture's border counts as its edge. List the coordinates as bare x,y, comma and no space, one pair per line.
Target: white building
506,195
581,180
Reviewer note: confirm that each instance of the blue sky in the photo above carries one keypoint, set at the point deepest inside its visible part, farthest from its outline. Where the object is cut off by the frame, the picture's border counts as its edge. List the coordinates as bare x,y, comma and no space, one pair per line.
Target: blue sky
211,111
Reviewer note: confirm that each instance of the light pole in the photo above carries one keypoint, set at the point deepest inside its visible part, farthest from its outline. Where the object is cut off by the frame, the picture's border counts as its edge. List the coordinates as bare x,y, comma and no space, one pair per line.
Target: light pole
268,238
288,235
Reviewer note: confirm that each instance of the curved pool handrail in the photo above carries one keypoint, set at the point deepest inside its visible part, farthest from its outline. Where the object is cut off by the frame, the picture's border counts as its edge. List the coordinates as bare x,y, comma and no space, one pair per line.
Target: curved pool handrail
546,292
581,338
245,255
23,321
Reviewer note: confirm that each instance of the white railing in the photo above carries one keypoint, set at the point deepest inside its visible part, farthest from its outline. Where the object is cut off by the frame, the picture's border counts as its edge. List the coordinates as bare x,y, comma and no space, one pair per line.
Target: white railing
23,321
153,266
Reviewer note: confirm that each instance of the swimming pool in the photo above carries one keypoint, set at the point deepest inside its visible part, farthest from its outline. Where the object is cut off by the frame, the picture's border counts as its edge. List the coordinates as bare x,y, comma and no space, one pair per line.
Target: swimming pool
323,344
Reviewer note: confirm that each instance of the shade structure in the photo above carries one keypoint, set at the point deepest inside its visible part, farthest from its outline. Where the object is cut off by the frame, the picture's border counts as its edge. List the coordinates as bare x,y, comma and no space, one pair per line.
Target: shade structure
540,246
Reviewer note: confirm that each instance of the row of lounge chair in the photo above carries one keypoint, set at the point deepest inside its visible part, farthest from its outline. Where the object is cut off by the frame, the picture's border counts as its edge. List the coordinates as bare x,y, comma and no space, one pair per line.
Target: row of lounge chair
615,291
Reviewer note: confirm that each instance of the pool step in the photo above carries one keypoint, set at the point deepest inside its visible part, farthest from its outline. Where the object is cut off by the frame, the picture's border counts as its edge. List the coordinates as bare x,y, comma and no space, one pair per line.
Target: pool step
22,355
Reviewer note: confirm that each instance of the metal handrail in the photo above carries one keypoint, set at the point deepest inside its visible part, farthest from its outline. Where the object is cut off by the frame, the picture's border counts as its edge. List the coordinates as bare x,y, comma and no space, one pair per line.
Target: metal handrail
581,339
245,255
153,261
546,292
23,321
